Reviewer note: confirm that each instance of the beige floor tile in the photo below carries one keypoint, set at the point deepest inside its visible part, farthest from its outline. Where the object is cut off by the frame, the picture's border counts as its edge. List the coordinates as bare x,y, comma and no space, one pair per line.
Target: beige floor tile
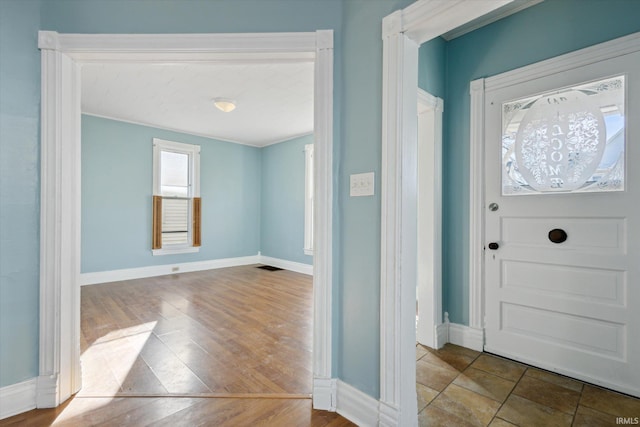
476,409
587,417
486,384
610,402
525,413
498,422
434,376
420,351
548,394
434,359
501,367
432,416
457,357
556,379
425,395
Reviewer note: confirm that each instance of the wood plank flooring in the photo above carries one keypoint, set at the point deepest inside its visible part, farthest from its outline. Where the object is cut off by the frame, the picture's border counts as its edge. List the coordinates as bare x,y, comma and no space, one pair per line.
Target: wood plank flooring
178,412
235,330
226,347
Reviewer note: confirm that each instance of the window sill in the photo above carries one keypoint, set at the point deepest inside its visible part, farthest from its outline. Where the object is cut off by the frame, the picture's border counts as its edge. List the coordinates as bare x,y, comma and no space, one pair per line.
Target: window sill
174,251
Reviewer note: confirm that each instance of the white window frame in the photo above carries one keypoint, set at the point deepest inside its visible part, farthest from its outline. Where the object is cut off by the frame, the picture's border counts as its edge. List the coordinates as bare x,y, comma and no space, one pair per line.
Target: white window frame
193,151
308,199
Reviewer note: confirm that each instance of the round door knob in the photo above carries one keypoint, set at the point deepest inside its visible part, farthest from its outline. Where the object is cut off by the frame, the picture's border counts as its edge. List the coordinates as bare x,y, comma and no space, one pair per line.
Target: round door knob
493,246
557,235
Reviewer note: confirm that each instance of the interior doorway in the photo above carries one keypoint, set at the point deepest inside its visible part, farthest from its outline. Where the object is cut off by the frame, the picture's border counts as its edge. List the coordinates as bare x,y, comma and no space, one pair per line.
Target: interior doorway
62,56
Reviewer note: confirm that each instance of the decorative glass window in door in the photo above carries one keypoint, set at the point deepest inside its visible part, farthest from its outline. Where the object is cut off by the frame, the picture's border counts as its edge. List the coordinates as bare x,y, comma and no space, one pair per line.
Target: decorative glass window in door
569,140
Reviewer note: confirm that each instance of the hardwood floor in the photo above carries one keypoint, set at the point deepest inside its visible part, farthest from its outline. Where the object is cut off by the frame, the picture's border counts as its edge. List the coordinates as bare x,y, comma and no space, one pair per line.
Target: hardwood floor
178,412
234,330
221,347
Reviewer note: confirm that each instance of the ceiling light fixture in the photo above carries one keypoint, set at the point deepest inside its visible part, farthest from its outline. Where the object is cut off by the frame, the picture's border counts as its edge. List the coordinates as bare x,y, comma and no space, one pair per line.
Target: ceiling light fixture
224,104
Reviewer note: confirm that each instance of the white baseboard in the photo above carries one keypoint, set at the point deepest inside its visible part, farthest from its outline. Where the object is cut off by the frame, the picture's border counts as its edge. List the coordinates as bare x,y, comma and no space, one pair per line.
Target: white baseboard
389,416
355,405
298,267
466,336
324,394
47,391
442,334
17,398
163,270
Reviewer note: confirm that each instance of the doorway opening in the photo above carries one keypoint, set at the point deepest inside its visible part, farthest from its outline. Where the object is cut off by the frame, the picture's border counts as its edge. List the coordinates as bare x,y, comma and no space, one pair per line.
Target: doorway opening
62,57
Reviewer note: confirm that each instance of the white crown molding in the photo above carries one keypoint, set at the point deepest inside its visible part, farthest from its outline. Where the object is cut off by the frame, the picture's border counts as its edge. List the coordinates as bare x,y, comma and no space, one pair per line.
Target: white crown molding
17,398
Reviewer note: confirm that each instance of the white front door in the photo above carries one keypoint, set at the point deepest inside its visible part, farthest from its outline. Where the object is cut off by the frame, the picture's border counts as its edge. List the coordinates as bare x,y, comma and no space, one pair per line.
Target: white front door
562,222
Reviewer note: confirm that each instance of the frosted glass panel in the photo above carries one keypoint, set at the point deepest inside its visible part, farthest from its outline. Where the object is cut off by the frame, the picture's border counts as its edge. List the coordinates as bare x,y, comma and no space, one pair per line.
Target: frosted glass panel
569,140
174,174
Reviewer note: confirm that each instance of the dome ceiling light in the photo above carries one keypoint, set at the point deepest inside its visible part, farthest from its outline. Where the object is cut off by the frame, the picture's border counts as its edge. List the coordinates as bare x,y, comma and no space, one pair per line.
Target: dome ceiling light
224,104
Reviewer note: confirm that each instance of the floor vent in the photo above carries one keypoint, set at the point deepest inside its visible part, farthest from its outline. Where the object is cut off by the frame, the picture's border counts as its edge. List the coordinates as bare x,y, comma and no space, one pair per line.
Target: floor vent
269,267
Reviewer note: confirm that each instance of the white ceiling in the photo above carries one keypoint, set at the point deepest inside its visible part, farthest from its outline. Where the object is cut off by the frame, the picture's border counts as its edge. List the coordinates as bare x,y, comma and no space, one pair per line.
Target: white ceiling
274,99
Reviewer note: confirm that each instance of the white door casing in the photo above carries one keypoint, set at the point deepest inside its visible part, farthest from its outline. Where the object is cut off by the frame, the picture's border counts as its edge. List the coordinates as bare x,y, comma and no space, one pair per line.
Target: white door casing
402,33
429,228
62,55
570,307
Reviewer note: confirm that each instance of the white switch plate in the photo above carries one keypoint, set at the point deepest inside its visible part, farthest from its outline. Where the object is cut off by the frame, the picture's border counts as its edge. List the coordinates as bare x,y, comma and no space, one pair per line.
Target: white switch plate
361,184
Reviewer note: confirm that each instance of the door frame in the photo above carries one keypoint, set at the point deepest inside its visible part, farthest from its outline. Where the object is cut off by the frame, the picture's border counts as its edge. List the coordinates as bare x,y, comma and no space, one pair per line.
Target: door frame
402,33
62,55
478,88
429,330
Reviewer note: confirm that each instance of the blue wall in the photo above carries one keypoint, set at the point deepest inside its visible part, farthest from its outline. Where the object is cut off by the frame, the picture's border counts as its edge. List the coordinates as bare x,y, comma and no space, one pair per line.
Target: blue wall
546,30
19,190
432,61
117,174
282,207
515,41
361,134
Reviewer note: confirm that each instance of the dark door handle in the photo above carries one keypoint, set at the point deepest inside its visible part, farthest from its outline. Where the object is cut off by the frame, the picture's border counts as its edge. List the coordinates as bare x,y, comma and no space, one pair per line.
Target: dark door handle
557,235
493,246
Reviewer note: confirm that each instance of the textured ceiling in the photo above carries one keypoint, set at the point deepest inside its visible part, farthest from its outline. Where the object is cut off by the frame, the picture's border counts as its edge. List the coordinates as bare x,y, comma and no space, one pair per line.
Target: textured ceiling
274,100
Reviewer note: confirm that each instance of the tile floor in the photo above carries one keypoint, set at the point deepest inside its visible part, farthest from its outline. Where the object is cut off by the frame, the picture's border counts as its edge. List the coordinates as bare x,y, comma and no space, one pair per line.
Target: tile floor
461,387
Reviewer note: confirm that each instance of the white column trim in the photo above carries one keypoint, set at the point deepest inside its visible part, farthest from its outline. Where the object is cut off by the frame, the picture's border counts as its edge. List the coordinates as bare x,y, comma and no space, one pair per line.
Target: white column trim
399,226
59,364
323,213
476,205
429,228
62,54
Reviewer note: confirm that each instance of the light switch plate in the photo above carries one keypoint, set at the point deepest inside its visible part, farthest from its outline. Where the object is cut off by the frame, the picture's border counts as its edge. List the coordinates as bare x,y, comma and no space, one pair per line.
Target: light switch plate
361,184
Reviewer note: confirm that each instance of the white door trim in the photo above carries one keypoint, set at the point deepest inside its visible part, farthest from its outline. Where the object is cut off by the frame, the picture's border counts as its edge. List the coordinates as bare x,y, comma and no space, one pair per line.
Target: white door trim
559,64
62,55
402,33
429,228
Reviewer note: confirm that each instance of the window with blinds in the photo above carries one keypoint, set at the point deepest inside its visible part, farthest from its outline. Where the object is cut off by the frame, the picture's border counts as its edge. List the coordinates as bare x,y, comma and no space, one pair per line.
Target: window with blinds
176,204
